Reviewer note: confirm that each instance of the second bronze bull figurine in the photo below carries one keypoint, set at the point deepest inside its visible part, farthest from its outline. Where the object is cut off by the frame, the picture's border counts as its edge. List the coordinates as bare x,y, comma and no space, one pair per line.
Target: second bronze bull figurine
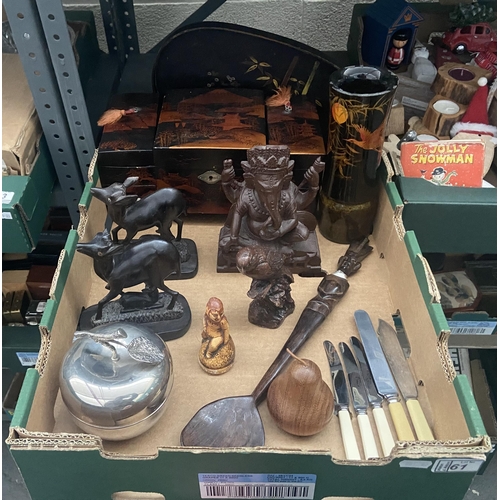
150,259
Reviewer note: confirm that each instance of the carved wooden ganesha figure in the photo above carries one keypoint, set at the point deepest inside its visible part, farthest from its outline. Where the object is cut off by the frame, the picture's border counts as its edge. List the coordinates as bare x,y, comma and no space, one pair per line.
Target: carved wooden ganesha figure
269,210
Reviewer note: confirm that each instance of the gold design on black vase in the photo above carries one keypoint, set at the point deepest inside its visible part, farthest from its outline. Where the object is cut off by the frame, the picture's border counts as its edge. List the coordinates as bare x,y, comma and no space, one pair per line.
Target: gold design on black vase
346,116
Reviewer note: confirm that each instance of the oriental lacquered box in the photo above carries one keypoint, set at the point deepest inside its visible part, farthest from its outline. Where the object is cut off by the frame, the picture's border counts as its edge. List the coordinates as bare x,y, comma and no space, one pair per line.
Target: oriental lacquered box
300,129
184,143
200,128
129,141
197,130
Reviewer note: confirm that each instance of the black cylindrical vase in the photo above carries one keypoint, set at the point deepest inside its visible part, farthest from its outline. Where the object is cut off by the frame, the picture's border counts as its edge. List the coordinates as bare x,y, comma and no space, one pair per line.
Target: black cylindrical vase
360,103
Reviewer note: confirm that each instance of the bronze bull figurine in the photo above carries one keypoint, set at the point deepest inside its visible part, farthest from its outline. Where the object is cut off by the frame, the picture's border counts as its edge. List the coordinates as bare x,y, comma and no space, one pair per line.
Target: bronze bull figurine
135,214
149,260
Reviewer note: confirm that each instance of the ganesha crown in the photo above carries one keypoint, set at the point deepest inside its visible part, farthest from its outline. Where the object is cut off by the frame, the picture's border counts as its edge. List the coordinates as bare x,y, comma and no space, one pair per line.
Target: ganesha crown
267,158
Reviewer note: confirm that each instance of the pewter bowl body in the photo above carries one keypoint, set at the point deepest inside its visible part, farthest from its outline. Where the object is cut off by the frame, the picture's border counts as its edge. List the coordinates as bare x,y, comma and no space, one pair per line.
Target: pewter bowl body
115,380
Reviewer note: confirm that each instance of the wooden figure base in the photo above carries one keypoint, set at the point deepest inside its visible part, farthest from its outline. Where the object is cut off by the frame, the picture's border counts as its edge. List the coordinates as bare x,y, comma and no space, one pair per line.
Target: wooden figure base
221,360
218,371
169,324
262,312
305,261
189,259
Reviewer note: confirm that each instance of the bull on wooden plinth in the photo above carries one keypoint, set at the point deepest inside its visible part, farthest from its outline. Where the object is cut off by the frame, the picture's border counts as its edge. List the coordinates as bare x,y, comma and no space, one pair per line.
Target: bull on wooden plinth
150,260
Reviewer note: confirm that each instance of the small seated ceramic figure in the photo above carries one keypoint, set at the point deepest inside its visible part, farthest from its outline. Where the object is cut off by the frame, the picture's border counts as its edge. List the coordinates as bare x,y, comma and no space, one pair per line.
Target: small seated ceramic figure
217,350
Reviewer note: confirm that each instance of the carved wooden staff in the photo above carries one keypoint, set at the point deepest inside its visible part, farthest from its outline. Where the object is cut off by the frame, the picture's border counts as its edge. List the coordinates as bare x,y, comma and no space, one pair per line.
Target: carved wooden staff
235,421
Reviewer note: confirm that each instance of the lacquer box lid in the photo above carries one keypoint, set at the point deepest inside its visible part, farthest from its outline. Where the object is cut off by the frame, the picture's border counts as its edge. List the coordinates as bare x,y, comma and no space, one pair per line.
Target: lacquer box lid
211,119
299,129
129,141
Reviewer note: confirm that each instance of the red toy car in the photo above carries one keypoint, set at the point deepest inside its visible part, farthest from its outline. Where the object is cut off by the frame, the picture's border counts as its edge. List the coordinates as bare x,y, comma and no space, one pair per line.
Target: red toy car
474,38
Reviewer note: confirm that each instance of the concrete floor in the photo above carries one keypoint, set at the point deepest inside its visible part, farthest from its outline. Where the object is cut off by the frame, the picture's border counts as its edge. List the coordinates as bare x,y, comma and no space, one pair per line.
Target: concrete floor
483,487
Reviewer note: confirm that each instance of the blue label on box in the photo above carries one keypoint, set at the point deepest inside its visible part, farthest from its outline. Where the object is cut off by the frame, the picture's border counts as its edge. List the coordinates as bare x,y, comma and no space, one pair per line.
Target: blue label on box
472,327
285,486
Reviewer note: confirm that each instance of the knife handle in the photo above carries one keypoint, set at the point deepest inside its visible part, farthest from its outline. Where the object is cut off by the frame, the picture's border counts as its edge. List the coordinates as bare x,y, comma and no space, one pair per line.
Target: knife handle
403,429
367,437
420,424
384,431
348,437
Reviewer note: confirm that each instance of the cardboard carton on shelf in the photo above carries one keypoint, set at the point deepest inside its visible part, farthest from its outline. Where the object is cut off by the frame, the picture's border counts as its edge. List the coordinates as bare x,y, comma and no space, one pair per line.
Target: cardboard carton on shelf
21,129
25,204
43,439
448,219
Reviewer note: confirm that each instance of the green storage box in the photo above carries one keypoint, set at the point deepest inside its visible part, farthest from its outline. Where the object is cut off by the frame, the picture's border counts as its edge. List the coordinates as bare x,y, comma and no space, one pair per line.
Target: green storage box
25,204
449,219
59,462
20,346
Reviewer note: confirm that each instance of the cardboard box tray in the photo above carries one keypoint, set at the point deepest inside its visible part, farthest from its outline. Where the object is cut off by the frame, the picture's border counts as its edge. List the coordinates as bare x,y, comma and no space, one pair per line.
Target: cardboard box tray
45,442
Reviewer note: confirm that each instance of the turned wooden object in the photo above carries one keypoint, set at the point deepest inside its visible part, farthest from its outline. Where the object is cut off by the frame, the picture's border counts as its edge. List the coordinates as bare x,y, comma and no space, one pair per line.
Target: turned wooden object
458,82
299,401
441,114
415,123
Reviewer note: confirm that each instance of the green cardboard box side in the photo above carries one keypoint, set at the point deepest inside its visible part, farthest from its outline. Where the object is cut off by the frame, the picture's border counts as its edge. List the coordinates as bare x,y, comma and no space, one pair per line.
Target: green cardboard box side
18,339
57,474
465,221
23,217
462,386
60,476
27,338
449,219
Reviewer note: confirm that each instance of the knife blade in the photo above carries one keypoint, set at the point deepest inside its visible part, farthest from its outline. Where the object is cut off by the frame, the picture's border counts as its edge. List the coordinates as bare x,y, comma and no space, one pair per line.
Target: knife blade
342,402
374,399
384,381
359,399
406,383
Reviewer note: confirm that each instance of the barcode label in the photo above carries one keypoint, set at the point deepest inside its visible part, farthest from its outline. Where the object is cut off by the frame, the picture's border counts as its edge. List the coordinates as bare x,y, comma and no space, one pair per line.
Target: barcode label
472,327
469,331
455,358
283,486
256,491
464,465
27,358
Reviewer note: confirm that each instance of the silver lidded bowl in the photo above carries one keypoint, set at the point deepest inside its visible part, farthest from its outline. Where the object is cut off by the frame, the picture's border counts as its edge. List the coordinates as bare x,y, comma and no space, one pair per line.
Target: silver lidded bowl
115,380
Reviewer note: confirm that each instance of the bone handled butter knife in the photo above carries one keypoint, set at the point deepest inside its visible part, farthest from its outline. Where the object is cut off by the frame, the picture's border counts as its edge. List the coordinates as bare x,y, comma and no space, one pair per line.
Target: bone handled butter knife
406,383
382,375
359,401
374,399
342,402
